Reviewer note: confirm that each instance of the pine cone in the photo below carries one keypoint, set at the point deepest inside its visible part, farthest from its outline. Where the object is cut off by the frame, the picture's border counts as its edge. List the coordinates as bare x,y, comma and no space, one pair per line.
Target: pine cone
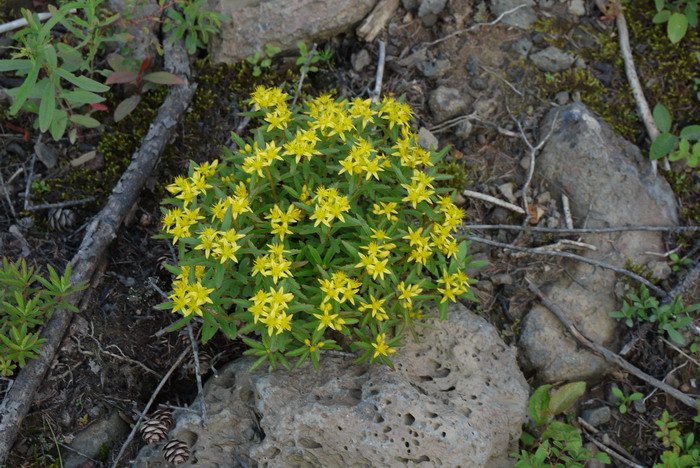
176,452
164,415
61,219
155,430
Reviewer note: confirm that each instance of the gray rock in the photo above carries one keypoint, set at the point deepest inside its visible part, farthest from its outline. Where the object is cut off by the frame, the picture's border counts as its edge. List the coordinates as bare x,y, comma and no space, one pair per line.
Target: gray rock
507,191
429,10
562,98
456,398
144,34
46,154
479,83
89,441
522,46
660,270
464,129
639,406
552,60
546,4
360,60
502,278
577,7
432,68
427,140
446,103
409,5
609,183
522,18
281,23
596,417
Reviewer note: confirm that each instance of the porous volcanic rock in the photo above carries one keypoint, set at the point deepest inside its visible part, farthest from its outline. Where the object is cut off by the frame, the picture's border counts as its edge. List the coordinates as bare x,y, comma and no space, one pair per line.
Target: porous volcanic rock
456,398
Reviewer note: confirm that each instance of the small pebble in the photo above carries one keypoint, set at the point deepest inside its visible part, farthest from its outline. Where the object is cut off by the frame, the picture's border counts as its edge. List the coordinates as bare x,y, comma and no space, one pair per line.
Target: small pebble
597,416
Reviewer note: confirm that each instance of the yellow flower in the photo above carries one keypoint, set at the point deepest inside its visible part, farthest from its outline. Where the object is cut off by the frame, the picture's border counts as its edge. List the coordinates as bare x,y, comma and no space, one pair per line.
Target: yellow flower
396,112
407,293
380,346
375,306
267,97
278,118
386,209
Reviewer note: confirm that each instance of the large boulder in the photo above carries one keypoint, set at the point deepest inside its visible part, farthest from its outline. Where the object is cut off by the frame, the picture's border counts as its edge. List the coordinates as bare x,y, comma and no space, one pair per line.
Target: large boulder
456,398
281,23
609,183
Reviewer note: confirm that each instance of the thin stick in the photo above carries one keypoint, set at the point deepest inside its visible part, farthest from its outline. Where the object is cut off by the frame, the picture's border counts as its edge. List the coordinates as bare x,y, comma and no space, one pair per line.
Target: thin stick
685,284
29,180
7,196
376,93
476,26
499,77
494,200
48,206
633,79
165,378
607,354
198,376
513,227
20,23
304,68
592,430
567,211
612,443
533,152
680,351
555,253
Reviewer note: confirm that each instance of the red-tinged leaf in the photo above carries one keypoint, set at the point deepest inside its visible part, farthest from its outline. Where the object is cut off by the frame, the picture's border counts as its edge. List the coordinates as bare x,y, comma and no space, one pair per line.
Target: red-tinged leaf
126,107
121,77
164,78
144,65
98,106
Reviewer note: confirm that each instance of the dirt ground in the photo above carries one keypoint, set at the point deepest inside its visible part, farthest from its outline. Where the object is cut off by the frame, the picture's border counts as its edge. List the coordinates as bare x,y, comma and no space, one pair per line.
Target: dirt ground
113,356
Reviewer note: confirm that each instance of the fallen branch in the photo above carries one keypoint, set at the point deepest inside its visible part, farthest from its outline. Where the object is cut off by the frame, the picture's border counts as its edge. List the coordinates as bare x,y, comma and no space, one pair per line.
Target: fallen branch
134,429
685,284
99,234
304,68
513,227
197,372
609,355
556,253
494,200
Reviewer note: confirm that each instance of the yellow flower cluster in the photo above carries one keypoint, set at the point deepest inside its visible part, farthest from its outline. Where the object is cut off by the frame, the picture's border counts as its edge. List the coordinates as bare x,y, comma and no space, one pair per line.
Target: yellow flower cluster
362,160
273,264
380,346
329,205
260,158
187,297
280,220
339,288
453,285
269,307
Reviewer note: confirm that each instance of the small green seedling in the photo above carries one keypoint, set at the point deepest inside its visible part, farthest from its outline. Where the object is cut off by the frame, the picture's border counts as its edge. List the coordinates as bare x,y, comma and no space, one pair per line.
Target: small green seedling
263,61
624,400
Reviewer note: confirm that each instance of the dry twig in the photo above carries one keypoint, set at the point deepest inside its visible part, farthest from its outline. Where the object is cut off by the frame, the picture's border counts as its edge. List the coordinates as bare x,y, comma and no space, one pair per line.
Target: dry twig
494,200
513,227
198,375
627,459
607,354
555,253
304,68
381,61
476,26
165,378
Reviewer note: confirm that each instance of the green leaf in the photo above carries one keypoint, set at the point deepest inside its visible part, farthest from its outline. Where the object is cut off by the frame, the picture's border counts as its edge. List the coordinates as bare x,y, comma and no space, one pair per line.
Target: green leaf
164,78
674,335
677,27
539,405
121,77
662,145
47,107
659,4
126,107
58,124
82,81
691,132
661,17
24,90
79,97
662,117
84,121
562,398
21,65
